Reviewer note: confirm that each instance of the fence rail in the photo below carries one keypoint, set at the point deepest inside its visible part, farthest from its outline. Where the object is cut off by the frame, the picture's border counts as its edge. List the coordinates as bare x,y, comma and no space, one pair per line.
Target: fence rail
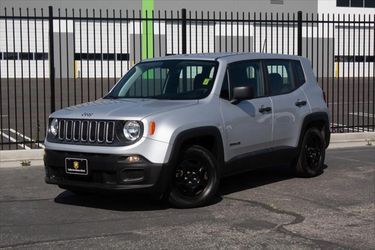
57,59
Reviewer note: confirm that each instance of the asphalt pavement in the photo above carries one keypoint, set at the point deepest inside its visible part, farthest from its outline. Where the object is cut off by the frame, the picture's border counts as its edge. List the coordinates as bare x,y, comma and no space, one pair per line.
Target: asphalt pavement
267,208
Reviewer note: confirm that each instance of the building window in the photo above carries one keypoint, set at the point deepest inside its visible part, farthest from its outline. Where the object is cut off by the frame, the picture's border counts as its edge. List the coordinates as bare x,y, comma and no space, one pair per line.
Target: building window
356,3
99,56
122,57
109,57
359,59
343,3
26,56
370,3
41,56
10,56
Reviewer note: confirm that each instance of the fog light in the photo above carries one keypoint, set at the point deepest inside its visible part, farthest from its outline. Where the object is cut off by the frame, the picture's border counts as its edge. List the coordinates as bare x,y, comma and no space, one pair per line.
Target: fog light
133,159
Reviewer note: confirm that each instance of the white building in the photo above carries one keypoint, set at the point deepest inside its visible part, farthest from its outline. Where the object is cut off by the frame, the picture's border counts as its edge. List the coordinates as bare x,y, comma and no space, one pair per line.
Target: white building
108,48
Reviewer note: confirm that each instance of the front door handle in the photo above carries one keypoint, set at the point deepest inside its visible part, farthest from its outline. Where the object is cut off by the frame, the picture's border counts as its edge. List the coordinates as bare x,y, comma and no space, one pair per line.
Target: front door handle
300,103
265,110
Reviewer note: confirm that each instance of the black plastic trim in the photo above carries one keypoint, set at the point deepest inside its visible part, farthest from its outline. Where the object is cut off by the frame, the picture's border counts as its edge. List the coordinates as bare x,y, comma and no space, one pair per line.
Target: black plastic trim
313,118
197,133
105,172
260,159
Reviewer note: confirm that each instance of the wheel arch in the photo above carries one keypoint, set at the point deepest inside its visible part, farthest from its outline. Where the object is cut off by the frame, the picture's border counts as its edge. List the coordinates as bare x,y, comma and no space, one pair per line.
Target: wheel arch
208,137
319,120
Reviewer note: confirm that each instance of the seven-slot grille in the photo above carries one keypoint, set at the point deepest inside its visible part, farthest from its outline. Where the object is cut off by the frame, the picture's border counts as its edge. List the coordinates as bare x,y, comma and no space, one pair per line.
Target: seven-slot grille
86,131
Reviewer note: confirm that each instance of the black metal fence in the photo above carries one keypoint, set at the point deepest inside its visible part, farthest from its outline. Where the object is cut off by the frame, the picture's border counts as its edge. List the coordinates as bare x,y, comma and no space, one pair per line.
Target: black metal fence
57,59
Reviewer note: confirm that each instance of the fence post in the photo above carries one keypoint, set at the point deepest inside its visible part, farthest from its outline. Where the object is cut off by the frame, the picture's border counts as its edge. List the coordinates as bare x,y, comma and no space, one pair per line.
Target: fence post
51,57
299,33
183,32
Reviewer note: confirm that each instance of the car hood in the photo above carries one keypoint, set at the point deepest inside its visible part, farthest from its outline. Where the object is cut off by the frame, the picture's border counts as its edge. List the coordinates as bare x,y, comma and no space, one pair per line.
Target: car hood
114,109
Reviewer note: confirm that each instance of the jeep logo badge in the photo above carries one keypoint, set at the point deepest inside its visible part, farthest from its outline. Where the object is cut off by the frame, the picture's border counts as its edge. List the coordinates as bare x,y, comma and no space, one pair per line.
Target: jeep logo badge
87,114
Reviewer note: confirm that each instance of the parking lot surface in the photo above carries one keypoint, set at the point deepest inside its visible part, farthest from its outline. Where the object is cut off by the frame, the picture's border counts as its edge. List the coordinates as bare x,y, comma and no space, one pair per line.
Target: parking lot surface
267,208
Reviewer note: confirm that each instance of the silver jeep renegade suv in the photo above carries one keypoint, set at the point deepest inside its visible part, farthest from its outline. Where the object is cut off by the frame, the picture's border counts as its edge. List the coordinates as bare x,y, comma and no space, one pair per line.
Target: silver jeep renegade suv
176,125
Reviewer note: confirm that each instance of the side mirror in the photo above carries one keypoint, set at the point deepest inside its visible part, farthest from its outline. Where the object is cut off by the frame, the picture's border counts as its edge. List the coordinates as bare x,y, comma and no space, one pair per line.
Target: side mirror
242,93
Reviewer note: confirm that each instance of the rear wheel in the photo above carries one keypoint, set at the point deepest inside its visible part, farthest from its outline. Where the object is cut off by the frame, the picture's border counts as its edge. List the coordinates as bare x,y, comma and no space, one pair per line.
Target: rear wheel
195,178
310,161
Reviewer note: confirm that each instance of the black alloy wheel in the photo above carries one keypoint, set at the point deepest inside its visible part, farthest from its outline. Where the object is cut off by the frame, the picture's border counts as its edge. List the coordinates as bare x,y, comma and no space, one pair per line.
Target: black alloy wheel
312,153
195,178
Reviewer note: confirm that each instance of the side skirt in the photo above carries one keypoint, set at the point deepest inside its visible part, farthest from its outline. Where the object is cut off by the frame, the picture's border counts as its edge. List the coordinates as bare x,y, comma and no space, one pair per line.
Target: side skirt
260,159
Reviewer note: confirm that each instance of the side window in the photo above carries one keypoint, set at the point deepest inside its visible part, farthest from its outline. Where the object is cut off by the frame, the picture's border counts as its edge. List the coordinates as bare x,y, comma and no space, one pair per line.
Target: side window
279,76
247,73
300,76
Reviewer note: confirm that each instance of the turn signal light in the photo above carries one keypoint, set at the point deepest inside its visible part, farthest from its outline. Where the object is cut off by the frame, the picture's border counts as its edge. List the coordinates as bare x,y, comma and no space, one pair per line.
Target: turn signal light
152,127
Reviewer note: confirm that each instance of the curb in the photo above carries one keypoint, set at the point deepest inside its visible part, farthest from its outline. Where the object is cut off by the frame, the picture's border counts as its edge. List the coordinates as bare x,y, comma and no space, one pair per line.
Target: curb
16,158
34,157
349,140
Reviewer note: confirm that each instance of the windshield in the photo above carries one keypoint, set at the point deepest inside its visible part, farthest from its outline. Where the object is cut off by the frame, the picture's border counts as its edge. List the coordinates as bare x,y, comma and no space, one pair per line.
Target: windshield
169,79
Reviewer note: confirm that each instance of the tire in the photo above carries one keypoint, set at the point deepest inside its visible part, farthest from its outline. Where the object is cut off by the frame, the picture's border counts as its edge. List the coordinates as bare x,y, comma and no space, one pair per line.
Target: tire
311,157
195,178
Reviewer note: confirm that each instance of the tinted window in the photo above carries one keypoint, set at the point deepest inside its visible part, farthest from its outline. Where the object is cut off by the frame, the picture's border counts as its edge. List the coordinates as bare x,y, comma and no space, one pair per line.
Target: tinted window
246,73
41,56
109,57
123,57
357,3
369,3
10,55
343,3
279,76
359,58
26,56
300,76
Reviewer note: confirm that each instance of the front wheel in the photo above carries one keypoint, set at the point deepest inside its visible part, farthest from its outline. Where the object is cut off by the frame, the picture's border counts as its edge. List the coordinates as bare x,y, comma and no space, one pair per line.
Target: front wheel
195,178
310,161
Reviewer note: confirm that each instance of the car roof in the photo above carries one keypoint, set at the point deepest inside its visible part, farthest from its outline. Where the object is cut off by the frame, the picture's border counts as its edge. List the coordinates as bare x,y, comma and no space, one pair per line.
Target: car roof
226,57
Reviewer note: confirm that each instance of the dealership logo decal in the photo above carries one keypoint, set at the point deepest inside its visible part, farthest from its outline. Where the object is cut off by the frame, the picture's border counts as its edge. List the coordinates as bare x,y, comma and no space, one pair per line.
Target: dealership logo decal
75,164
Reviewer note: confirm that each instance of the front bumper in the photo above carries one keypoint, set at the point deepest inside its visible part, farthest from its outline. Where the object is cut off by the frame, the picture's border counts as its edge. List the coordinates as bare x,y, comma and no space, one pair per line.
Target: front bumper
105,172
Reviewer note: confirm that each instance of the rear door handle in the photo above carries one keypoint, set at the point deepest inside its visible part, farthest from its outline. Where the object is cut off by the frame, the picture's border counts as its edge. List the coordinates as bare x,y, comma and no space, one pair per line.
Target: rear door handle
265,110
300,103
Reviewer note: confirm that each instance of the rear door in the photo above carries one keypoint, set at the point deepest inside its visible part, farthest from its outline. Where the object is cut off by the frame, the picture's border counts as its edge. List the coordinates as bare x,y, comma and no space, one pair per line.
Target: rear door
248,124
289,102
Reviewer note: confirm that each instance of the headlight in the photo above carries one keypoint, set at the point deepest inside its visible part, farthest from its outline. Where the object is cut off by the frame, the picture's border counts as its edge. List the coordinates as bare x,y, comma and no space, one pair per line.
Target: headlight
54,127
132,130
